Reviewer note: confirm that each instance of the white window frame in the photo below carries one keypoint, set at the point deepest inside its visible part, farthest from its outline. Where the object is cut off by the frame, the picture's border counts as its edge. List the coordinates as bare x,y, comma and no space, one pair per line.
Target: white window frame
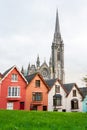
14,77
13,91
10,105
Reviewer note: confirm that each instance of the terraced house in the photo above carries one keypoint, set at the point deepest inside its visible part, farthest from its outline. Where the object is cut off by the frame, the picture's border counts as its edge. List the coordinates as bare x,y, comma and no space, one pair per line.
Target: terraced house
12,89
64,97
36,93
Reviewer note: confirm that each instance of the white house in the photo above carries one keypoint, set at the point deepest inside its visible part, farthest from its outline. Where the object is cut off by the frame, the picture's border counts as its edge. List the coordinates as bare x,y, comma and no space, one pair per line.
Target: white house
74,98
66,97
56,96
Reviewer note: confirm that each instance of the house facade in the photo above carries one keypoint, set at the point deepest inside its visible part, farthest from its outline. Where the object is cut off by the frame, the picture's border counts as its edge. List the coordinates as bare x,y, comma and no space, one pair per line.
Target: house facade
12,90
74,98
64,97
56,96
36,93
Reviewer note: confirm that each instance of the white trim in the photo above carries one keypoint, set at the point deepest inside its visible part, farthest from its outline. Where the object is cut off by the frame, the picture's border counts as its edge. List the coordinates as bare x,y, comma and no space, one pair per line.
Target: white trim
13,96
18,71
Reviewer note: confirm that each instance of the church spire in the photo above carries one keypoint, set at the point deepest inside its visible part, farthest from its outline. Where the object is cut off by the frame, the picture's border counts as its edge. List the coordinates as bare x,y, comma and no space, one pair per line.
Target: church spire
57,27
57,34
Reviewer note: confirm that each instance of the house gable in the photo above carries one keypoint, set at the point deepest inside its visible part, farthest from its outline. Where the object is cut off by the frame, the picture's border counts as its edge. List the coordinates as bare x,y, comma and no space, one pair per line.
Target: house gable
6,73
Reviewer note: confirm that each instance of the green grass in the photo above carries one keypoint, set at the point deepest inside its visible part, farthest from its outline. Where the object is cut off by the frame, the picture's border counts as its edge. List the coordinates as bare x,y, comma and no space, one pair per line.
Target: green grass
26,120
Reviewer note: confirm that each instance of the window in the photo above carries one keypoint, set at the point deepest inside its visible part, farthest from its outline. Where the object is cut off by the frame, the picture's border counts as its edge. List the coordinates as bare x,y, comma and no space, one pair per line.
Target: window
10,105
74,104
14,77
37,83
56,101
74,93
37,96
57,88
13,91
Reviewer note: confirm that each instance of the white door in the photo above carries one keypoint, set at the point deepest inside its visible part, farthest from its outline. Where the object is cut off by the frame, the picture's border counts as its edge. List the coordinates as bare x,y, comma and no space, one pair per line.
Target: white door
10,105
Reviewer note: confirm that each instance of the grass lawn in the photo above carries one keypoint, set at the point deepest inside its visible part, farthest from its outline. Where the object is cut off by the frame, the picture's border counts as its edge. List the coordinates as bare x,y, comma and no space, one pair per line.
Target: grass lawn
26,120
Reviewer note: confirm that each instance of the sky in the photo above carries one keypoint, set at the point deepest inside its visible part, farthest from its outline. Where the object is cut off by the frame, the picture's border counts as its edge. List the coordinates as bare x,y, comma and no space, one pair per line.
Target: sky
27,29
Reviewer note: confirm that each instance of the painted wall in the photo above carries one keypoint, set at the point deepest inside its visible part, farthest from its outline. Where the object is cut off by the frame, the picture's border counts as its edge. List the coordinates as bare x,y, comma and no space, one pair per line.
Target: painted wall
32,88
84,104
70,97
50,98
4,99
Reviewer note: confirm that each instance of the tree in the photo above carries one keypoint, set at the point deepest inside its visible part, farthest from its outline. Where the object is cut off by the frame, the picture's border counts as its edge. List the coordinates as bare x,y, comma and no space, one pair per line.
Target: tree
85,80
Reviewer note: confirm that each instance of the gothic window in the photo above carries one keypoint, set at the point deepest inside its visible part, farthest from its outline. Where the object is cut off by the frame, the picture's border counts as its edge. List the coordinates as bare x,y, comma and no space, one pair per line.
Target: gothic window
44,72
58,56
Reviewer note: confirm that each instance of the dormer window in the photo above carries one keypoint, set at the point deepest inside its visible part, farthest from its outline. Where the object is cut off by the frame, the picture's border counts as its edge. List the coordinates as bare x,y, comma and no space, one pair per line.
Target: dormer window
57,88
74,93
14,77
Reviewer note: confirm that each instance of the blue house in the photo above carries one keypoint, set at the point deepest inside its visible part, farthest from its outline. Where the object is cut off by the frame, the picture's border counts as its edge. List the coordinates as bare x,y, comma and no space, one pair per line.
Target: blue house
84,102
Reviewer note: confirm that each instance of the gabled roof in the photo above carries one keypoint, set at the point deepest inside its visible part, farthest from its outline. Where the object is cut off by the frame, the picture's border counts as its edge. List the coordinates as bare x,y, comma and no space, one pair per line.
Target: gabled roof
69,86
51,82
84,91
5,74
29,78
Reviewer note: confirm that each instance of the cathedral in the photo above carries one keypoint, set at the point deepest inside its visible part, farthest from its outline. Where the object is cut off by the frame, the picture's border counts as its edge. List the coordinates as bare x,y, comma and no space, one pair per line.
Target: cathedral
55,69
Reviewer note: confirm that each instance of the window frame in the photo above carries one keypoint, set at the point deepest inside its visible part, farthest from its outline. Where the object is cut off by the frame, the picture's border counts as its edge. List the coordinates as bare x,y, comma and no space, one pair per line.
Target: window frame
57,101
57,88
14,77
74,93
13,91
37,83
37,96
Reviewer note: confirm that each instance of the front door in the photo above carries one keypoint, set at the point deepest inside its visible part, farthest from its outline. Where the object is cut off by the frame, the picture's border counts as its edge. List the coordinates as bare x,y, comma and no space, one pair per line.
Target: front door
44,108
21,105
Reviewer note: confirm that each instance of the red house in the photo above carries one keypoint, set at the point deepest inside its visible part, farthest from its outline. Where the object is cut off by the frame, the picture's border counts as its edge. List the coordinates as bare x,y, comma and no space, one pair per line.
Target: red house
36,93
12,89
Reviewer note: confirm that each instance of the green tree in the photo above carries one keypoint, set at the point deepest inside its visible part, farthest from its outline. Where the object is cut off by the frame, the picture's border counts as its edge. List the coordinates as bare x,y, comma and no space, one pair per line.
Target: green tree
85,80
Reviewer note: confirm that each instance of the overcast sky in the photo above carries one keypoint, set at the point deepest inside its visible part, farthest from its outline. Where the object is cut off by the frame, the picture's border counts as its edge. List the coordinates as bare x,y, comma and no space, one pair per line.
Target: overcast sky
27,29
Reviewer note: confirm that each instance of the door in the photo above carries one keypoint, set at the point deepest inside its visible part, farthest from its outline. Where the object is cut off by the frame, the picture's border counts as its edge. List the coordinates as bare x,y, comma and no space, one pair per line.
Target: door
10,106
34,107
21,105
44,108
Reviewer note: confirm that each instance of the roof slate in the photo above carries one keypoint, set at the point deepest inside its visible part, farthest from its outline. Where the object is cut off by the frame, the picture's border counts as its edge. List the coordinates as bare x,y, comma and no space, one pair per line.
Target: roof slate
68,86
84,91
50,82
30,77
7,71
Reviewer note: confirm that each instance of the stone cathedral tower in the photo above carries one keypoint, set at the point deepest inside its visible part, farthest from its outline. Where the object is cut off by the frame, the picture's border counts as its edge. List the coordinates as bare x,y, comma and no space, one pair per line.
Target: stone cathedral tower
55,69
58,52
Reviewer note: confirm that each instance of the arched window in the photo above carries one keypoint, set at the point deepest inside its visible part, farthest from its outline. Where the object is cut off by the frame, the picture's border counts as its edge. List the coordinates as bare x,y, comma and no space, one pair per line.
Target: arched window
74,104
